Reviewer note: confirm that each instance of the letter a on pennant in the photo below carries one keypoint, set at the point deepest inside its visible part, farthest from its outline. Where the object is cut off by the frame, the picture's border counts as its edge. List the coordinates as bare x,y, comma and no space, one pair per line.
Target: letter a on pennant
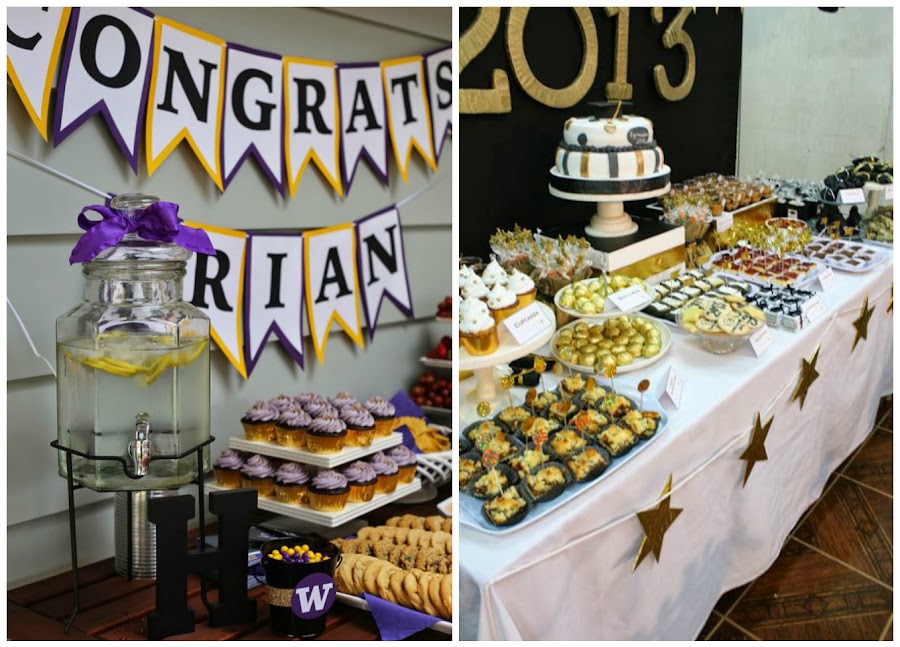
34,39
186,90
409,120
312,128
332,284
215,285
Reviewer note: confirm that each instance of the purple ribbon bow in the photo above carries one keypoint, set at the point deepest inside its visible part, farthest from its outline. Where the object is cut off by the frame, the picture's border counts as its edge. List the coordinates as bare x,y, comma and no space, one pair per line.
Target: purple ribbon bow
159,221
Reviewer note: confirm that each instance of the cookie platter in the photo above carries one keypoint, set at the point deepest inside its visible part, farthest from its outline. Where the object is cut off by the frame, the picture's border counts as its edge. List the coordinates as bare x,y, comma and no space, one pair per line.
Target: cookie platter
470,507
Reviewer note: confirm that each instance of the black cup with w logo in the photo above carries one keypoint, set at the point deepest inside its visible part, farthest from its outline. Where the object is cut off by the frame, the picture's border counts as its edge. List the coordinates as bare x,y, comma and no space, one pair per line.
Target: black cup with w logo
300,593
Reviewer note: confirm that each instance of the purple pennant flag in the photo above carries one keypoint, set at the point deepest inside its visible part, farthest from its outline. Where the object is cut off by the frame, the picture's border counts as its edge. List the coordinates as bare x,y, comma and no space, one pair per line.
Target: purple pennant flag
253,117
364,131
115,89
439,76
273,295
382,265
396,622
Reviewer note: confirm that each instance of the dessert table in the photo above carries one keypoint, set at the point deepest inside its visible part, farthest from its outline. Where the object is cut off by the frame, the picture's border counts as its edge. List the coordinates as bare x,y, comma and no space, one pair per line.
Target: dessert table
570,575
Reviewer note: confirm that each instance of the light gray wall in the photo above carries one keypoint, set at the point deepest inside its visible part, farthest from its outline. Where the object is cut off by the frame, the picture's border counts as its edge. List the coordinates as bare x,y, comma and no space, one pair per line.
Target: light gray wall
816,89
41,230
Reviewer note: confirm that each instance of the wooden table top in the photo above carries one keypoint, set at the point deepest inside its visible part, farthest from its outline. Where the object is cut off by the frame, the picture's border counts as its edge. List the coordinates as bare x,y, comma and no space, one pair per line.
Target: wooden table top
114,608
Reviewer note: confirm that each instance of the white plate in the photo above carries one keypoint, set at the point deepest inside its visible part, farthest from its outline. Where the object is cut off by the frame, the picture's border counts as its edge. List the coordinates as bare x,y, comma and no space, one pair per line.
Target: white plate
357,602
437,363
607,314
446,507
799,284
665,343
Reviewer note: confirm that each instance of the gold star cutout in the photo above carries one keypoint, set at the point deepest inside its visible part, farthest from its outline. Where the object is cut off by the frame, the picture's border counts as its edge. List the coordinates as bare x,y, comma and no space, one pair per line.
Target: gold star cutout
656,522
862,323
756,450
808,375
890,307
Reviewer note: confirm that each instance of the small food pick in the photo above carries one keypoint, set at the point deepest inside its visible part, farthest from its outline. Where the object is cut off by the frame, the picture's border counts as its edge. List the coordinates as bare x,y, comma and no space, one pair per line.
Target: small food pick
483,409
506,383
643,386
540,365
610,372
489,459
530,395
540,437
581,421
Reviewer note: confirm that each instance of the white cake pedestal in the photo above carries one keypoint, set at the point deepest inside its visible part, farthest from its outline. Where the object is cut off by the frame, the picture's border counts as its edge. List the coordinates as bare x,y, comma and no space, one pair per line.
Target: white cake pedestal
610,221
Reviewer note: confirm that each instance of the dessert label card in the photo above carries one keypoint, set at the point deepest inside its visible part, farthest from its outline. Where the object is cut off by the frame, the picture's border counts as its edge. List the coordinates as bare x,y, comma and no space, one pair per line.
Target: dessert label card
673,388
851,196
761,340
527,323
826,278
724,222
628,299
889,192
812,309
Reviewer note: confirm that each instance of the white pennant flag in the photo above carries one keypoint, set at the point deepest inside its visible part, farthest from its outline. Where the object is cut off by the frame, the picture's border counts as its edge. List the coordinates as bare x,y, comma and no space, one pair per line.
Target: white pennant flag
439,68
186,89
382,264
106,70
332,284
253,113
215,285
274,294
312,120
363,120
34,39
408,117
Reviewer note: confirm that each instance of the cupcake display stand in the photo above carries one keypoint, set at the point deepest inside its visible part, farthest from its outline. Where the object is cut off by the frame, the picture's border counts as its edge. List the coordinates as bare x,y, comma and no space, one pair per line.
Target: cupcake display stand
483,366
326,461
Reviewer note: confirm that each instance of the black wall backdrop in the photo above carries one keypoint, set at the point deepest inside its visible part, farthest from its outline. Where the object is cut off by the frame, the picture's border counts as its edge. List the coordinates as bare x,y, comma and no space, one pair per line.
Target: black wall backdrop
505,158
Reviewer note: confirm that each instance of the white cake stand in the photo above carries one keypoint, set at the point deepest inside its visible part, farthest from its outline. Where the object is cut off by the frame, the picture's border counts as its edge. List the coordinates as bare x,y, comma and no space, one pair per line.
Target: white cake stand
610,221
483,366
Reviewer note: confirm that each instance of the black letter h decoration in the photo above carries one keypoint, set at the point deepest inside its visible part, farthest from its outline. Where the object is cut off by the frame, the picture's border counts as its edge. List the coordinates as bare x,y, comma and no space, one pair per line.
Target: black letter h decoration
174,561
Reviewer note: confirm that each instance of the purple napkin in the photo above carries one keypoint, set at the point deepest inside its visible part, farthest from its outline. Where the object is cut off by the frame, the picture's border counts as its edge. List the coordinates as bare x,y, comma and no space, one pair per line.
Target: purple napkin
404,406
395,622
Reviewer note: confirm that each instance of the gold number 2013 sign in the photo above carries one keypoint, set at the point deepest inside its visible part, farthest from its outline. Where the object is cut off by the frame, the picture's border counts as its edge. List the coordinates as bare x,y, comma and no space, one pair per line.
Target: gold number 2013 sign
496,99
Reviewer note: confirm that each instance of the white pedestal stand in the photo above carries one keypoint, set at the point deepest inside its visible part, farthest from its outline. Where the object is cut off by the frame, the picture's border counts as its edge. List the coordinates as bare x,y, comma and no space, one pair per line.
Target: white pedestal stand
483,367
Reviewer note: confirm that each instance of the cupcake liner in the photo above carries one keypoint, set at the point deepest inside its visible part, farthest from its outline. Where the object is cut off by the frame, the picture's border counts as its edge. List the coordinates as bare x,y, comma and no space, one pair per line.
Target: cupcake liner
574,410
512,478
359,437
559,455
622,451
464,445
526,438
553,492
330,444
642,437
548,454
475,456
518,517
586,404
290,436
362,492
503,427
595,472
407,473
513,425
482,343
632,402
384,426
230,479
260,432
265,487
387,483
290,493
333,502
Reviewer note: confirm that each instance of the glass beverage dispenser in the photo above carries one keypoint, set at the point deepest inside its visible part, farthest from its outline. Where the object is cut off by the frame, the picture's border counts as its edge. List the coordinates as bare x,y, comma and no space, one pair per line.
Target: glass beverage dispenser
133,363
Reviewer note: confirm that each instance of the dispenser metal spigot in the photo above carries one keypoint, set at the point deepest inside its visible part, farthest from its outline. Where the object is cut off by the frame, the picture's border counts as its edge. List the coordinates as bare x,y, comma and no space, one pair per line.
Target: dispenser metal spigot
139,448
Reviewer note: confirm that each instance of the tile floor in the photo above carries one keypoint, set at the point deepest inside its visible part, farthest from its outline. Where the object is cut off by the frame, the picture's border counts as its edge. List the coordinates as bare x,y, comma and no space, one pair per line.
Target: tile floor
833,579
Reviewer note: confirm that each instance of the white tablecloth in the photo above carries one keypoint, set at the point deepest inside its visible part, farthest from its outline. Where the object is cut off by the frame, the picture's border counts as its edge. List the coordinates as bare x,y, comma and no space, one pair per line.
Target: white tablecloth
569,576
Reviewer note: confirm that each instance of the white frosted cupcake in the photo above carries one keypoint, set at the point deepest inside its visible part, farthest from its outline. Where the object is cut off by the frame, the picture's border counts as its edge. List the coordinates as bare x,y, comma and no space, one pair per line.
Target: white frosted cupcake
475,289
477,328
523,287
502,302
494,274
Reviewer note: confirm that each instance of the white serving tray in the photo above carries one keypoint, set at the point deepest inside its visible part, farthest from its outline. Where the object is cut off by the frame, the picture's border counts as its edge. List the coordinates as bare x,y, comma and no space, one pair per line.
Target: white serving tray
437,363
357,602
346,455
330,519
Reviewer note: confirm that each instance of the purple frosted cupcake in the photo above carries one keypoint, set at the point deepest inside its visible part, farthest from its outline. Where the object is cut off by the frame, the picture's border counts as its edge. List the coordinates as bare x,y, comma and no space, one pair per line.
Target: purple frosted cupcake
319,408
291,481
341,400
290,429
258,473
259,422
227,469
282,402
360,425
328,491
326,435
406,462
384,414
362,479
387,471
303,399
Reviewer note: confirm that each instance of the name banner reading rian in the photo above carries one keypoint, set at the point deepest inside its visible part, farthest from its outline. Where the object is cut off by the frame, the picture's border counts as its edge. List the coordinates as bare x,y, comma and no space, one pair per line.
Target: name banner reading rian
168,83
